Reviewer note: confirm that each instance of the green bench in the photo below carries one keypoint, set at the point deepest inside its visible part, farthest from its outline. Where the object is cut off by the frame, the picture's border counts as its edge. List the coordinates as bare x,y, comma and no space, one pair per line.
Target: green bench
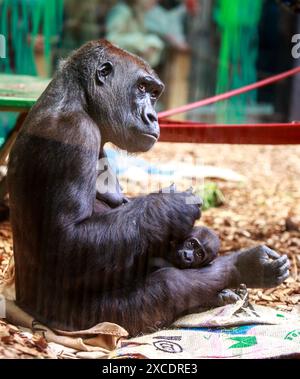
18,93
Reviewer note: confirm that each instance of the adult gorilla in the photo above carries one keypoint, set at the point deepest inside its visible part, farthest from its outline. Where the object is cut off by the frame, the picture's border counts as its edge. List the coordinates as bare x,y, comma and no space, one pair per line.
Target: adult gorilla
78,262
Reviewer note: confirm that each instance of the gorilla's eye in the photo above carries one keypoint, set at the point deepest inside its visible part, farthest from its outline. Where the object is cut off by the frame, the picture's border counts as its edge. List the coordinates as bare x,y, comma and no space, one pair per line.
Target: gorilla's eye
142,88
190,245
195,243
154,95
105,69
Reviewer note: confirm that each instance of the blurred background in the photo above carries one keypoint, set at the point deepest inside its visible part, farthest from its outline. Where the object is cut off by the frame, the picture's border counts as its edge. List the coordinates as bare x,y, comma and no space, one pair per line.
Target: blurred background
198,47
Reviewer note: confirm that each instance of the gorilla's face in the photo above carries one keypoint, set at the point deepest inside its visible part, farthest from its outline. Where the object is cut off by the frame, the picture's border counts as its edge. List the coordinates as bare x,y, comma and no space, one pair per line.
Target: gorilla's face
122,94
191,253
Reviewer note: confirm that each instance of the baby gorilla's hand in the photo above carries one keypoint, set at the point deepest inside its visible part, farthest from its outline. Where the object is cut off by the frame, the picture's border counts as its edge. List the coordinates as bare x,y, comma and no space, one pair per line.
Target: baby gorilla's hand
228,296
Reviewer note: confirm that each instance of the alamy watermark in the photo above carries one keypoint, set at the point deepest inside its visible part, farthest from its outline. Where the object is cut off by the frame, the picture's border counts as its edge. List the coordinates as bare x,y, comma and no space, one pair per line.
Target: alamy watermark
2,307
296,48
2,46
147,177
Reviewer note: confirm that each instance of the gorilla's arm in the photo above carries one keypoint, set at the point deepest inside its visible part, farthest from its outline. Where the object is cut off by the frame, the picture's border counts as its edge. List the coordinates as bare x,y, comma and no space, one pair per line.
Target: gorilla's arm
136,228
111,240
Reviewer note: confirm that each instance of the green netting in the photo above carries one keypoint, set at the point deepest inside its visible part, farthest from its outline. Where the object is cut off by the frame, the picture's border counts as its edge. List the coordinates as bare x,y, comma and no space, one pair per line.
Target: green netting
20,22
238,24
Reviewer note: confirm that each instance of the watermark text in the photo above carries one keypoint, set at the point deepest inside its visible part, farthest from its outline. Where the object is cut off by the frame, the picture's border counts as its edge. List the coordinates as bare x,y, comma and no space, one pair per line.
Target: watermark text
2,46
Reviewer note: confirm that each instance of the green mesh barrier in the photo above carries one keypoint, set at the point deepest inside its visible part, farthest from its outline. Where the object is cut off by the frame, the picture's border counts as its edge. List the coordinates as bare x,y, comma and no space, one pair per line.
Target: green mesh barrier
238,25
20,22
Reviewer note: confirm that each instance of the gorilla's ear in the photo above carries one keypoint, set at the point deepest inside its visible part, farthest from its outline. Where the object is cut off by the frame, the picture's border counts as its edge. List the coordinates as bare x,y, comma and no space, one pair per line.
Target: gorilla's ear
103,71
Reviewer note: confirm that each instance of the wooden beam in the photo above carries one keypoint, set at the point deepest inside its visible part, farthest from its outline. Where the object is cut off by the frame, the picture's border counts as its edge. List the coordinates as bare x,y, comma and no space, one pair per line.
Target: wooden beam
261,134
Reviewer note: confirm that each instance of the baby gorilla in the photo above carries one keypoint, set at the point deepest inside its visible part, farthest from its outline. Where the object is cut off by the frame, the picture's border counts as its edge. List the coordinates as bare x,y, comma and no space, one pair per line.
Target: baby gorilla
197,250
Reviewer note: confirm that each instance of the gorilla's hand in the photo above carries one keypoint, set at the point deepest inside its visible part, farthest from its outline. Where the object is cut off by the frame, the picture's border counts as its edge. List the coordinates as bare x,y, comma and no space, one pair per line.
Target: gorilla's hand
184,208
262,267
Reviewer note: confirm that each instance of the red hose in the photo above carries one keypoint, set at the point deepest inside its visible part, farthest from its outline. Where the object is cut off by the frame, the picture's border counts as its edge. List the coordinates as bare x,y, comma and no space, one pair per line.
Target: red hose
229,94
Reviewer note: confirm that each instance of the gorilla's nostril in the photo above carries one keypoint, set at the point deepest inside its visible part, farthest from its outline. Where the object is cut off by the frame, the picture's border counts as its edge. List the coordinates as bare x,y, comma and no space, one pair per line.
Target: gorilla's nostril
152,117
148,116
188,256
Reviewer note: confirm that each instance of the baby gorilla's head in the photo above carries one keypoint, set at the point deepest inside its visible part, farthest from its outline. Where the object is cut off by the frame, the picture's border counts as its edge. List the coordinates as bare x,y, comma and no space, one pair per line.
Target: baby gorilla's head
199,249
